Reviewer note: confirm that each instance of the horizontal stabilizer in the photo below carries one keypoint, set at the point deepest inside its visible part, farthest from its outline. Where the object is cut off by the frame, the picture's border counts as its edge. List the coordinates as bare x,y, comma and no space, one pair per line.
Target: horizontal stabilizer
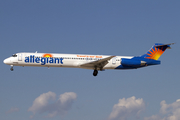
168,45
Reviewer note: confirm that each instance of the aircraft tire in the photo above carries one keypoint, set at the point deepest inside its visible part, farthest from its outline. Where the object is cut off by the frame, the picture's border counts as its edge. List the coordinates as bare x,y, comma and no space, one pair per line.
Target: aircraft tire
95,72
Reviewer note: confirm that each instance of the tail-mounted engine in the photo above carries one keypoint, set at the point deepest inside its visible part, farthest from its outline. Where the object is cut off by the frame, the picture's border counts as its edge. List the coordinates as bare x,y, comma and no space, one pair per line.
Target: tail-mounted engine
132,62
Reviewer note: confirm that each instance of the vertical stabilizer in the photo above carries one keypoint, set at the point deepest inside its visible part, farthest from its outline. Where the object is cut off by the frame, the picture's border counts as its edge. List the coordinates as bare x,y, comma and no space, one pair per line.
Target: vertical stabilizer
156,51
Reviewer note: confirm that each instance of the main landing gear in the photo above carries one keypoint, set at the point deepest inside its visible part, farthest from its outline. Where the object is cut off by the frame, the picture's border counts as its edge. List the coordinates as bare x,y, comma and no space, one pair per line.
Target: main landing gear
11,68
95,72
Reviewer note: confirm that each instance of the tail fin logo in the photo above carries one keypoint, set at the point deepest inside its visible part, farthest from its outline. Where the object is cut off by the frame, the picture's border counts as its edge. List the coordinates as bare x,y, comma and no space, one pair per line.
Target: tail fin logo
155,53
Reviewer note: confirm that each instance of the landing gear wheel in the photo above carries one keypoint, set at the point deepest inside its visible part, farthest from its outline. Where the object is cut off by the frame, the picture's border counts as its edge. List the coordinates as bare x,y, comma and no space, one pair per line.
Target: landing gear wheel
11,69
95,72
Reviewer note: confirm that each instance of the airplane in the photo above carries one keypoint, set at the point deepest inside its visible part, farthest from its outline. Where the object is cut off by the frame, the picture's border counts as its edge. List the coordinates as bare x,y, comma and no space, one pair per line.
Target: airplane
94,62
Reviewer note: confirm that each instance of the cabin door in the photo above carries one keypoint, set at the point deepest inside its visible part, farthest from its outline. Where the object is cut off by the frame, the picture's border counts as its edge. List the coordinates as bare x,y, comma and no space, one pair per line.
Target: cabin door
114,61
20,57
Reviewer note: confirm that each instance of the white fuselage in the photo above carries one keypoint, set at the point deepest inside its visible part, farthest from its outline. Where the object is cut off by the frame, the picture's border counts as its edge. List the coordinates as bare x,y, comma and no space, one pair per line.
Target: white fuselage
61,60
95,62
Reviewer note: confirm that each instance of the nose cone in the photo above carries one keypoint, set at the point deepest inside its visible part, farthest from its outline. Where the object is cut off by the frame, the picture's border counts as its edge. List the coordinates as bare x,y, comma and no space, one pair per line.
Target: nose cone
7,61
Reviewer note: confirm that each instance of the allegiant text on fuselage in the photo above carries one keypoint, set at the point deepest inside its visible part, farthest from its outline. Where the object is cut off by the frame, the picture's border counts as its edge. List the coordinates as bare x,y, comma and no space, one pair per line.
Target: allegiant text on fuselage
43,60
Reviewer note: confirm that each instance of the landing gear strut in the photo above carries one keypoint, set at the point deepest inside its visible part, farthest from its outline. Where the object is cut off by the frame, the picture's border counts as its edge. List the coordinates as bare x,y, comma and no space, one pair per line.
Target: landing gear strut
11,68
95,72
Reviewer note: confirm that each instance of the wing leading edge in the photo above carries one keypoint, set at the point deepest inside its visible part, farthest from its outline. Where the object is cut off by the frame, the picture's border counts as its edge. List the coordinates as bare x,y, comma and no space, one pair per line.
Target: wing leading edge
97,65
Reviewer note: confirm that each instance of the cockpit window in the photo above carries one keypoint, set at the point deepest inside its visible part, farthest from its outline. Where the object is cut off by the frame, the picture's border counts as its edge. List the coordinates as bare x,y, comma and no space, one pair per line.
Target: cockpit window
14,55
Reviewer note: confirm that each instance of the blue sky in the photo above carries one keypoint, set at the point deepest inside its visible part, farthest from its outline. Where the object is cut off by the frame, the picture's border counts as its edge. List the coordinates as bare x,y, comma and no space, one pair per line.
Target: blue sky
89,27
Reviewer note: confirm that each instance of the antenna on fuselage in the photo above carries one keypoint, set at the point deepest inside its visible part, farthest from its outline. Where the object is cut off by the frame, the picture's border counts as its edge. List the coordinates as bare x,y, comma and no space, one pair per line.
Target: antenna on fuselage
36,52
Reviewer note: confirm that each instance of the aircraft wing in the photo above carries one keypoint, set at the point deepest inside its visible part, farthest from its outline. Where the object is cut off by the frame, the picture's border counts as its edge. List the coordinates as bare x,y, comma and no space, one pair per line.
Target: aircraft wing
99,64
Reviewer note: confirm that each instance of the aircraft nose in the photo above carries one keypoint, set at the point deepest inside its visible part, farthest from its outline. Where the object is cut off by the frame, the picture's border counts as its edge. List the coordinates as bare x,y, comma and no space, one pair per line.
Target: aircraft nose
6,61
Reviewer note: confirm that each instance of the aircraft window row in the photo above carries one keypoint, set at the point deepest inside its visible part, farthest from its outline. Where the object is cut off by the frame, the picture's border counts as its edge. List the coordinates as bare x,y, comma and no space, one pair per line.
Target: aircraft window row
71,58
14,55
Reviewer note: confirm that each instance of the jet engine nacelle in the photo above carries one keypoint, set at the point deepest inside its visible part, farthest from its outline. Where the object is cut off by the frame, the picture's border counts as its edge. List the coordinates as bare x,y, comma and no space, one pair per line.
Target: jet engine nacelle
132,62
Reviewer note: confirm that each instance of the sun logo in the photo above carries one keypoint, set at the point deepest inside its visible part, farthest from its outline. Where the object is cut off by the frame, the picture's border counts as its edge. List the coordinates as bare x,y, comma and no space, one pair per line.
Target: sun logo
47,55
155,53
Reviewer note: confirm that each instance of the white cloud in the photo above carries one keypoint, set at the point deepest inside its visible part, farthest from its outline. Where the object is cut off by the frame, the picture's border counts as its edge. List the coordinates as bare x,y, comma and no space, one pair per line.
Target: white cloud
153,117
61,106
127,108
42,101
167,111
13,109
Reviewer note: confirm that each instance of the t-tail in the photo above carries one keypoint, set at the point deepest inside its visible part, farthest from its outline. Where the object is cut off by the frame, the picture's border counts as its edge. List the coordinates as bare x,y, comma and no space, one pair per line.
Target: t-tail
150,58
156,51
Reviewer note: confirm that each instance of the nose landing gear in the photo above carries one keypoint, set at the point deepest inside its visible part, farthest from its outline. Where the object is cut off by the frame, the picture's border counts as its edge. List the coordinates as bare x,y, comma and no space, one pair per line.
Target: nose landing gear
95,72
11,68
